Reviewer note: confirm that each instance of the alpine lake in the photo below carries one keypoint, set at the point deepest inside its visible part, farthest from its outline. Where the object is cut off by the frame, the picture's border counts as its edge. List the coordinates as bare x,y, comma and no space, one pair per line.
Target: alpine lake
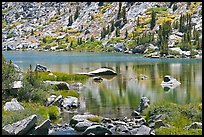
118,96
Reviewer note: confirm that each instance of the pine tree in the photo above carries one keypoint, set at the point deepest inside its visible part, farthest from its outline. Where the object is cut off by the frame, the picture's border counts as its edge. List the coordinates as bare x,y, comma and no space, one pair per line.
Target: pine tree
124,15
126,34
92,38
117,32
112,26
153,20
138,22
76,14
175,7
70,20
119,10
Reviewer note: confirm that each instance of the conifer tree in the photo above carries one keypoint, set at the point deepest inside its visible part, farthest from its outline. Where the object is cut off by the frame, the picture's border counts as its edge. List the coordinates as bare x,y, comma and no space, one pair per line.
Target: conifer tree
119,10
124,15
153,20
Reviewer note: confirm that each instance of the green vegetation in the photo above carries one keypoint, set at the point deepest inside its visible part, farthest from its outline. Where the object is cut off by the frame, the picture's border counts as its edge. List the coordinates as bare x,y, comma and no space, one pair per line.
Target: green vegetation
177,116
59,76
95,119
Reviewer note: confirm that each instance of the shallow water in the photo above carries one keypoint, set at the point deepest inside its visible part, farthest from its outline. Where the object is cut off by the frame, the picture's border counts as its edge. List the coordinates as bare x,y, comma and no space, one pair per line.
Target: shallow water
118,96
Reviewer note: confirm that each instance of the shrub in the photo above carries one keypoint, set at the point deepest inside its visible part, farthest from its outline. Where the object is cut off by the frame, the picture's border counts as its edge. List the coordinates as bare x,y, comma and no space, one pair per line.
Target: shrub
53,112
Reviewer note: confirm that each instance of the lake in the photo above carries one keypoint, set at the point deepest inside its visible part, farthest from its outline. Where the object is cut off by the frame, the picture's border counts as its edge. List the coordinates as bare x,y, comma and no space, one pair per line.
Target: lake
120,95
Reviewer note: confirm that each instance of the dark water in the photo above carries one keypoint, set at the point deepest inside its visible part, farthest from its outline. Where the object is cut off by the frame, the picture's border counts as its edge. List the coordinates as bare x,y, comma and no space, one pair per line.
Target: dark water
118,96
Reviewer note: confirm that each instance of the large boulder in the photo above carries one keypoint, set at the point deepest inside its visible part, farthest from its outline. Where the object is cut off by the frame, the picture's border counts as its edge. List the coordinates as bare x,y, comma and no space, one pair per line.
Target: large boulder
97,130
43,129
80,118
143,130
13,105
61,85
140,49
21,127
70,102
82,126
41,68
50,100
103,71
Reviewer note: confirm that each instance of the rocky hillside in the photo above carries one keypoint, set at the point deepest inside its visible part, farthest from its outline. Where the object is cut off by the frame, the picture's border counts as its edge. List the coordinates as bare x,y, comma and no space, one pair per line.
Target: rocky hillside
49,25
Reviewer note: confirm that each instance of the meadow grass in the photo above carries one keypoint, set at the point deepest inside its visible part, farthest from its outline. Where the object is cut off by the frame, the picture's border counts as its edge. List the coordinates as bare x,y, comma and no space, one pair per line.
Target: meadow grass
42,112
177,116
59,76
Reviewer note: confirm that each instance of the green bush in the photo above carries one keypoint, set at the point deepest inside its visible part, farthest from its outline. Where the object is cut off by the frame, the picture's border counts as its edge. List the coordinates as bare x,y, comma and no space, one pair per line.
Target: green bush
53,112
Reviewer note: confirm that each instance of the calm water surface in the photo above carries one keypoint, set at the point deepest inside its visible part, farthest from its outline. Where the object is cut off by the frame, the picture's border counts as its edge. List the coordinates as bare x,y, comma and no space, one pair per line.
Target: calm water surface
118,96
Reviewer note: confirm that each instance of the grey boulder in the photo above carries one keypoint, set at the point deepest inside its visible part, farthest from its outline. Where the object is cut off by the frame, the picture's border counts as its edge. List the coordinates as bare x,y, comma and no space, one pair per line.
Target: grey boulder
21,127
13,105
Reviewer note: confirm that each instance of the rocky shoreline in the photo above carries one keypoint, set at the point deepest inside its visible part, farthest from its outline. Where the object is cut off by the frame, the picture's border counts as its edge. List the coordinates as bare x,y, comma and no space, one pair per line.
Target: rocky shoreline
89,124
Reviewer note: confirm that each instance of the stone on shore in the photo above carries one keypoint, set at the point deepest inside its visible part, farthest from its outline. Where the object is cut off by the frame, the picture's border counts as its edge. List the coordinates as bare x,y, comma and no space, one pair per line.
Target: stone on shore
97,130
13,105
21,127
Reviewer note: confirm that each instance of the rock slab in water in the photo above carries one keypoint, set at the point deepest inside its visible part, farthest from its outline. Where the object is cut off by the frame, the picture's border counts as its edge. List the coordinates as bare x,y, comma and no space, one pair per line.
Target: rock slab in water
21,127
13,105
82,126
102,71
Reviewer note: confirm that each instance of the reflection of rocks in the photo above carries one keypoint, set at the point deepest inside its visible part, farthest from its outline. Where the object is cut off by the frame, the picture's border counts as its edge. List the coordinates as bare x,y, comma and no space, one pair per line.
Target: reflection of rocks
97,79
143,77
76,86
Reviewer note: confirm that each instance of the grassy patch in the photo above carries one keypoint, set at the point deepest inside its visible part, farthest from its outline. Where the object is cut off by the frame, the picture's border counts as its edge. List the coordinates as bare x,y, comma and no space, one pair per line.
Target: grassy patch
59,76
65,93
95,119
177,116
